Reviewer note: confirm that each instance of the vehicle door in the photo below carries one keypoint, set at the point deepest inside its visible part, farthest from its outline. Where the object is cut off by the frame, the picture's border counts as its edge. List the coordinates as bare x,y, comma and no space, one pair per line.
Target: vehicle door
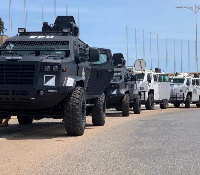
194,90
154,85
84,70
198,88
164,86
101,75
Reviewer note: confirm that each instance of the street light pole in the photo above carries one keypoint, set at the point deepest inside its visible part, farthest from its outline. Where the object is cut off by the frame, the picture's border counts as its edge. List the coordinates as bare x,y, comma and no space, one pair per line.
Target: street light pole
195,9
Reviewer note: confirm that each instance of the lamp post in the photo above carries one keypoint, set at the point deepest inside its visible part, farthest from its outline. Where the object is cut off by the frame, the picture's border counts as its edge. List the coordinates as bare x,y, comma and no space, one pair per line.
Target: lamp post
195,9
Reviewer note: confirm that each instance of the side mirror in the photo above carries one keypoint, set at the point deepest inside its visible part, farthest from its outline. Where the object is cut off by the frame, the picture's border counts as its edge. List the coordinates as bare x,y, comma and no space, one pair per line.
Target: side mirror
149,80
94,55
133,78
76,31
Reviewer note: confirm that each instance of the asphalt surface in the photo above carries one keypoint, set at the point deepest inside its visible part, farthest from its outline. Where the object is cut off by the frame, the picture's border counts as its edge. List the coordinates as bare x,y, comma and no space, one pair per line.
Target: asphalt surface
156,142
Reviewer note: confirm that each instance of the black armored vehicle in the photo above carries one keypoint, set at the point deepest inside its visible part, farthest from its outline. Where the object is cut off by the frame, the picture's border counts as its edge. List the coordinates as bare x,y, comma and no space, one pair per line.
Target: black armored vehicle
46,74
122,93
101,74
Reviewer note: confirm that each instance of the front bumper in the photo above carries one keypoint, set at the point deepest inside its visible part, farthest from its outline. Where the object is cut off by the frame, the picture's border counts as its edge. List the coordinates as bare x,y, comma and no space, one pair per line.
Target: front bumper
177,97
24,98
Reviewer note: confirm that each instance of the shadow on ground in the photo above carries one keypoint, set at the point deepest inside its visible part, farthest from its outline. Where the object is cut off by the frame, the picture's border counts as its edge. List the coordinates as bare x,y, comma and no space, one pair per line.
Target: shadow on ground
37,130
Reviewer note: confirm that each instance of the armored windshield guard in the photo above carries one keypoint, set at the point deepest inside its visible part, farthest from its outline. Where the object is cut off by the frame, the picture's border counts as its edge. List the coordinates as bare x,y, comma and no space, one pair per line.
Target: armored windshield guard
64,25
119,60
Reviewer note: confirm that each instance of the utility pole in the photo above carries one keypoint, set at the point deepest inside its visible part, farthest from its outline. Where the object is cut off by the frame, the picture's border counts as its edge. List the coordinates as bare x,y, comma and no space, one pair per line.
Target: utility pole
127,46
10,32
55,9
25,15
181,56
166,55
143,46
151,54
189,56
136,44
66,10
195,9
42,12
158,52
174,55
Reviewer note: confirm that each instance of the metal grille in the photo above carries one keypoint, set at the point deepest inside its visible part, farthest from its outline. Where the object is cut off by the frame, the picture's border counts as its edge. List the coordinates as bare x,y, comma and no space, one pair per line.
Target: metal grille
11,74
35,45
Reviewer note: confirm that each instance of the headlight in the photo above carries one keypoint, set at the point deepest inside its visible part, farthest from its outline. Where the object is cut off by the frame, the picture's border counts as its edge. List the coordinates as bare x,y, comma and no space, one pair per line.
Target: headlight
47,68
55,68
50,68
141,88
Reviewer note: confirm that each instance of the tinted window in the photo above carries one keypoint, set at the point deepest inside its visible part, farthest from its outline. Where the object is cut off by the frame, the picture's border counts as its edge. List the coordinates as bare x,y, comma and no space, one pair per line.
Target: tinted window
178,80
140,76
193,82
103,59
197,82
163,78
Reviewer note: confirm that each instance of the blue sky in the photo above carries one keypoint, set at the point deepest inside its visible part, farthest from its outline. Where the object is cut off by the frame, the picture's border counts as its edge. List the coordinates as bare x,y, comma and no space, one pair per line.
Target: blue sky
103,24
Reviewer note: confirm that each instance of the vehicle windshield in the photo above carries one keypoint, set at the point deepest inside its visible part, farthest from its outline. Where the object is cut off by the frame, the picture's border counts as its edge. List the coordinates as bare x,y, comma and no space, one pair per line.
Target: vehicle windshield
177,80
163,78
140,76
36,48
117,76
103,59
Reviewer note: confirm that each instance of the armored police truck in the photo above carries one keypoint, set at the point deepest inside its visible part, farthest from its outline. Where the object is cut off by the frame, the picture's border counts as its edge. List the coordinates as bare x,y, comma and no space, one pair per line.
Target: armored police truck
100,77
154,86
185,89
45,74
122,93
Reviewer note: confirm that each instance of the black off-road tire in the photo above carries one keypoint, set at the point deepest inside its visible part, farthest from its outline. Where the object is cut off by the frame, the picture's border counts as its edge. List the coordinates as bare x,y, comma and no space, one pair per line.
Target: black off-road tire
150,102
25,120
187,101
125,105
164,105
75,112
198,105
118,108
137,106
176,105
99,111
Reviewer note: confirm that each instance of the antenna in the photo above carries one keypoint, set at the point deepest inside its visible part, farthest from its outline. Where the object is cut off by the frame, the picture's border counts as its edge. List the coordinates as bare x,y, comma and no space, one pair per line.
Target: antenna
127,45
10,18
42,12
166,55
66,10
55,9
136,44
188,55
143,46
151,53
158,52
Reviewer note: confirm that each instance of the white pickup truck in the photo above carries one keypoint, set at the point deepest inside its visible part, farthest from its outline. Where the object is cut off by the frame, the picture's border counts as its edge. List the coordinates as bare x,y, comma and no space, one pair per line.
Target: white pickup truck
185,89
154,86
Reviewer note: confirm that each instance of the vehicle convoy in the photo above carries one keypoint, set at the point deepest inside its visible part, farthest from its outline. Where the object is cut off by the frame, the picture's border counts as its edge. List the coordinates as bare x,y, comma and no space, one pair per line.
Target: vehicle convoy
45,75
122,93
101,74
185,89
154,86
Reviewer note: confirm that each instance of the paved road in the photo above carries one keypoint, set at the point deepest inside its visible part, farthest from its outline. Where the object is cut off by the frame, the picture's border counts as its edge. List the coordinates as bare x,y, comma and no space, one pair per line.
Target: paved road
156,142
